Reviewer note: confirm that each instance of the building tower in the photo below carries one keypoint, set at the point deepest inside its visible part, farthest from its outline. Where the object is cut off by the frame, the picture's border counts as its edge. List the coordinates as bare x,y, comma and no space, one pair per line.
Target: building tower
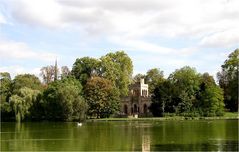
55,71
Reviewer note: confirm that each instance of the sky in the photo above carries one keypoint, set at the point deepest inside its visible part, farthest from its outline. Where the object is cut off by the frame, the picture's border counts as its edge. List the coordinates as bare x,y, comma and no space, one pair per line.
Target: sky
165,34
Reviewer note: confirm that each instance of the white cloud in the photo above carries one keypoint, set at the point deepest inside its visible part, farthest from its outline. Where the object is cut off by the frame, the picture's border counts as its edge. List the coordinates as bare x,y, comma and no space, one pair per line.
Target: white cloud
131,24
221,39
2,19
36,12
213,22
133,44
19,50
140,45
17,69
187,15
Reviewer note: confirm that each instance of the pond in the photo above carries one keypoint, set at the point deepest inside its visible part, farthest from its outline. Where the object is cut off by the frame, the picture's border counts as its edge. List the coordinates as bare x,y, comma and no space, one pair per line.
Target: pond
200,135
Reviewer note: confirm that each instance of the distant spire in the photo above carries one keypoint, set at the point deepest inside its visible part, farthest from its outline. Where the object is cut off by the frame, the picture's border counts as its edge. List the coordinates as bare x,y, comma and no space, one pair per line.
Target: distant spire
56,71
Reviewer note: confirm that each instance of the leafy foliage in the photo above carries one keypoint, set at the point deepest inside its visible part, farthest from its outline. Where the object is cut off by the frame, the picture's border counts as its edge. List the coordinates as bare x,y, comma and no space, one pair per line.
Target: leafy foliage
137,77
26,80
228,80
212,101
103,81
102,98
22,101
63,100
84,68
185,82
188,93
153,78
5,87
118,68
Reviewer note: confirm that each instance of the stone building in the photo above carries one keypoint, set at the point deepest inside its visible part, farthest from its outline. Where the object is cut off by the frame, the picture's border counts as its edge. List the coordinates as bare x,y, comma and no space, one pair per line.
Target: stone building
138,101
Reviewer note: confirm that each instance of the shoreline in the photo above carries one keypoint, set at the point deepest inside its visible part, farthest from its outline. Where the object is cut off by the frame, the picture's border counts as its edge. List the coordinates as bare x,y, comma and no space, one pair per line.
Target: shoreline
163,119
227,116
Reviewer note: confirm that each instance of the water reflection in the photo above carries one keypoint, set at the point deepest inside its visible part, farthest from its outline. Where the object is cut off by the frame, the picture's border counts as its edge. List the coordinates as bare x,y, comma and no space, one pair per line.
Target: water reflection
218,135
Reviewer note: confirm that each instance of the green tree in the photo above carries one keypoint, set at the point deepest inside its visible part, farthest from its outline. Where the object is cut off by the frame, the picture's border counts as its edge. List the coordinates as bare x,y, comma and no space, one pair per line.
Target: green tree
37,110
26,80
118,68
84,68
5,87
185,83
22,101
5,93
7,113
63,100
228,80
210,98
102,98
137,77
153,78
162,100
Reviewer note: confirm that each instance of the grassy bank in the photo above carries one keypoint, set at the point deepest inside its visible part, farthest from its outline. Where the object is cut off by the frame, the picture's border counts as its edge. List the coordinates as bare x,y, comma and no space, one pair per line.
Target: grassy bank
231,115
228,115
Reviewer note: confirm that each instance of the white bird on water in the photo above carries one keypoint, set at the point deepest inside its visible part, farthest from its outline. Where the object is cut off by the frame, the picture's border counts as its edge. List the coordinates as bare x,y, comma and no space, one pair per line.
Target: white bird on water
79,124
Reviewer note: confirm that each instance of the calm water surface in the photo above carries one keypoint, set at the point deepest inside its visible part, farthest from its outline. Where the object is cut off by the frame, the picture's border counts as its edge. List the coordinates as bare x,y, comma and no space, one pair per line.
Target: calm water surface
216,135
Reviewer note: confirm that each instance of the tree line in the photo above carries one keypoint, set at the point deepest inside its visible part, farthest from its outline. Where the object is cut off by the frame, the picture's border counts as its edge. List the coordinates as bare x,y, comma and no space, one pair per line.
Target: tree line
91,89
94,87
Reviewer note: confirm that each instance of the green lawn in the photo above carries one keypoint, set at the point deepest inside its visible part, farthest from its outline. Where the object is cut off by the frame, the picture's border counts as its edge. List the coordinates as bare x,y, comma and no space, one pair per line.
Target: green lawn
228,115
231,114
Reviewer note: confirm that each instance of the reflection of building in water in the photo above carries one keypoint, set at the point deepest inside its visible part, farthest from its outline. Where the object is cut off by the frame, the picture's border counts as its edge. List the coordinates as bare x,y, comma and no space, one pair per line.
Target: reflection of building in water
145,143
138,100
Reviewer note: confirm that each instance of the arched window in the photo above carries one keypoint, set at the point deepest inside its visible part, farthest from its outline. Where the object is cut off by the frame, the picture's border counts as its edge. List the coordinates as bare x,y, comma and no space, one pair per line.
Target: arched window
135,108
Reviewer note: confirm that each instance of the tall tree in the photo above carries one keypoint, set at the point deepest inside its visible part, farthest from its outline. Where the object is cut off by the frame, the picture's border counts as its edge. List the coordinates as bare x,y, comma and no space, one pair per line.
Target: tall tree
153,78
47,73
185,82
63,100
137,77
5,93
50,73
228,80
5,86
210,97
162,99
102,97
22,101
26,80
118,68
84,68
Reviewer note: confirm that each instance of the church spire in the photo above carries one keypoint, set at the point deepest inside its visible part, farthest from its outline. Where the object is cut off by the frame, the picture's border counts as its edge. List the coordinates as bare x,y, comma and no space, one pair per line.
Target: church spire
56,71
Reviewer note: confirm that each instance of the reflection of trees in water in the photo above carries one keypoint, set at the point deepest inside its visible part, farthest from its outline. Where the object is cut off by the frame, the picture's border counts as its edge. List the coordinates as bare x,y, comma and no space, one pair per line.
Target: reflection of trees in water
227,145
195,135
35,136
199,135
117,136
